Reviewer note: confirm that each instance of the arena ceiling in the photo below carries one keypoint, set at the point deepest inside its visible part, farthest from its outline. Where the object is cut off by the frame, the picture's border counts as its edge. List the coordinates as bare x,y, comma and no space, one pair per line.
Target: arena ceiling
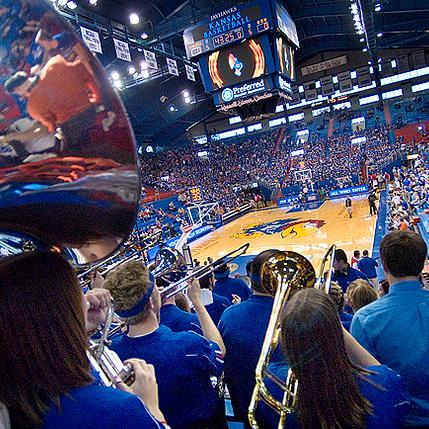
323,25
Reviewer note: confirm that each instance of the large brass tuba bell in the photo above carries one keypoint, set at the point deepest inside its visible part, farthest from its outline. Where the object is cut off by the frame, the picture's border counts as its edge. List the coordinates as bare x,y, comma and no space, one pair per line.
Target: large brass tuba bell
282,274
69,179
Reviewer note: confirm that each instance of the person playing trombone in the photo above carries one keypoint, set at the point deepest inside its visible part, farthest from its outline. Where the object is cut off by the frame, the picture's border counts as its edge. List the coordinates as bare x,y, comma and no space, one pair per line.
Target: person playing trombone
340,384
184,362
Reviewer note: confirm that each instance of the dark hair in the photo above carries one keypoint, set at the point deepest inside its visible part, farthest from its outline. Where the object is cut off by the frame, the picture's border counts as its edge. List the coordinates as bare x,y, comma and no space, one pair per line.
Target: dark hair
249,267
340,255
259,282
365,253
221,269
384,284
43,335
15,81
313,344
403,253
356,253
206,282
44,35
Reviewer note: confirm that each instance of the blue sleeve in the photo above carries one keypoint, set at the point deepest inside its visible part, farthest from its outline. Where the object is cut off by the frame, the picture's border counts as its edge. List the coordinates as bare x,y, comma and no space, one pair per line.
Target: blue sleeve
363,276
246,289
194,325
221,326
133,415
359,265
206,356
357,329
400,397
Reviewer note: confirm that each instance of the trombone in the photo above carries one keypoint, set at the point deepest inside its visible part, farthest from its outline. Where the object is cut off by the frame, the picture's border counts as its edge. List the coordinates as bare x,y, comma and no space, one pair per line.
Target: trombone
174,263
168,262
105,362
288,272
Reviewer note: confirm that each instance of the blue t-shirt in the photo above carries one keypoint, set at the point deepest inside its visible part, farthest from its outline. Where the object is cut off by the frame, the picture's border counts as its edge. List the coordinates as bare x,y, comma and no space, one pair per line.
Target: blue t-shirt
368,265
184,363
395,330
345,278
228,286
384,390
178,320
346,320
243,328
216,309
93,406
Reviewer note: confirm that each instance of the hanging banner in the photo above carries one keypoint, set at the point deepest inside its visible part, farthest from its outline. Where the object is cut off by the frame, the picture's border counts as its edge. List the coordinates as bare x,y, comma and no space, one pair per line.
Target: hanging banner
122,50
92,40
172,67
190,74
150,59
325,65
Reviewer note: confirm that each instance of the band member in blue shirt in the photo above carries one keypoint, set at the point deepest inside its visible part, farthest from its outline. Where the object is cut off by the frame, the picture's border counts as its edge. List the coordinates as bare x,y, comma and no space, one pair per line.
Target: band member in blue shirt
178,320
340,385
184,361
243,329
220,303
395,328
368,266
45,372
344,274
174,317
228,287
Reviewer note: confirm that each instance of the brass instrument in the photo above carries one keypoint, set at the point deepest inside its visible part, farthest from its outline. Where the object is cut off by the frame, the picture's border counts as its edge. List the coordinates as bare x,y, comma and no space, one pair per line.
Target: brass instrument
104,267
75,191
106,362
287,272
175,263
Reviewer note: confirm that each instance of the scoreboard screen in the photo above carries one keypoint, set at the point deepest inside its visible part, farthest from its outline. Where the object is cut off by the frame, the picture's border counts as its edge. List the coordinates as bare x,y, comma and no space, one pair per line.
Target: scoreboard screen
285,58
232,65
228,26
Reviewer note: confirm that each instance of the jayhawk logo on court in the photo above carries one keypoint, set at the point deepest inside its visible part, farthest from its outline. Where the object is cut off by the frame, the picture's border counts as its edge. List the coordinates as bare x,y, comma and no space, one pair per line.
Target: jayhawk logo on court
288,228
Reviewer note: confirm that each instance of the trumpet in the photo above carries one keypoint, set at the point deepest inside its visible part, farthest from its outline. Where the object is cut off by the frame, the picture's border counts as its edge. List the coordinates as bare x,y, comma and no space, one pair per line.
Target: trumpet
288,272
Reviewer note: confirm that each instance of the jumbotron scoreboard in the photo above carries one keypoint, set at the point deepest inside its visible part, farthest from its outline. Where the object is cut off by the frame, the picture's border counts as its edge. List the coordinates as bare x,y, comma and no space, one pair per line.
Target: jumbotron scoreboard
245,53
228,26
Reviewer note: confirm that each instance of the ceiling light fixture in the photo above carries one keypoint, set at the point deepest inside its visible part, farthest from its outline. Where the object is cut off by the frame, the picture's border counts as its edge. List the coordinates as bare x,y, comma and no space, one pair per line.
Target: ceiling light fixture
134,19
72,5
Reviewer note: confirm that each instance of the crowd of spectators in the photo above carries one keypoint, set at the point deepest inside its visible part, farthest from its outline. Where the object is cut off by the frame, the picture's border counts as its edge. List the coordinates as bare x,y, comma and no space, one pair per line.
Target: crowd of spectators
223,175
229,168
408,193
405,111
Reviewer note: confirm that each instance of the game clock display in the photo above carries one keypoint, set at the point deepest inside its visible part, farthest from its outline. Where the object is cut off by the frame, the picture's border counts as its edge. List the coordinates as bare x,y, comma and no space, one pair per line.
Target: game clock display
230,37
228,26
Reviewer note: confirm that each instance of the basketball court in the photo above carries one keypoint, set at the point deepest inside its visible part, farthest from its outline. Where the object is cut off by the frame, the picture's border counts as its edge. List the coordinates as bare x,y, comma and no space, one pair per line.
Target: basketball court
309,233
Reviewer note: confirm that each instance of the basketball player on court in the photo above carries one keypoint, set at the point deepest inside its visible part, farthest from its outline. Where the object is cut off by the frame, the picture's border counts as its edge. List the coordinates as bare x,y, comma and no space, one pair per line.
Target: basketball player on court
349,206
